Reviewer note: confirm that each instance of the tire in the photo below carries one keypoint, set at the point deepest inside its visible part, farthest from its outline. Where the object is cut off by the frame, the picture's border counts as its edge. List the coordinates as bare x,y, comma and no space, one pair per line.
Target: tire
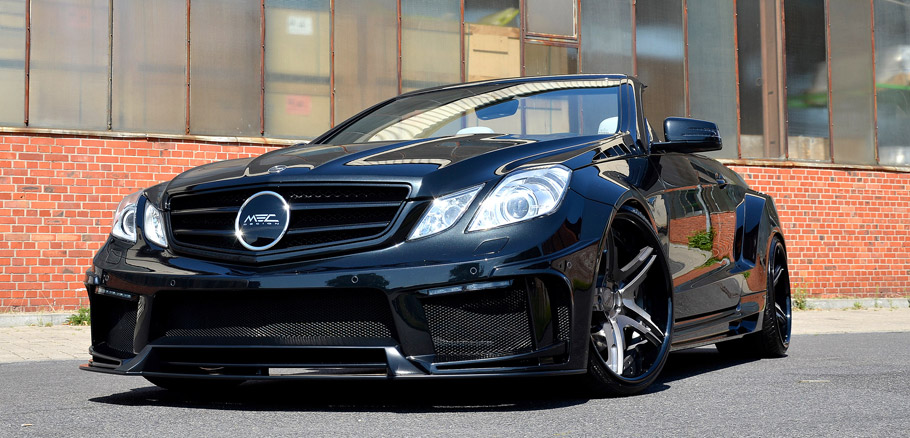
777,319
631,327
189,385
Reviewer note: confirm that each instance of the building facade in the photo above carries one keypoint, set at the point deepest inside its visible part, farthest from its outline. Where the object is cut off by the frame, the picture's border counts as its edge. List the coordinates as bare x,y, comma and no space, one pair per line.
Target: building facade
100,98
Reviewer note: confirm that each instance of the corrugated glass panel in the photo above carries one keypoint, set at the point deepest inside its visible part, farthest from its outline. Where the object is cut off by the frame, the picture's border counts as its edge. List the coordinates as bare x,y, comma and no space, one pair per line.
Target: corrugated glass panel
492,39
149,66
712,68
69,64
430,43
853,128
807,80
12,62
552,17
541,60
366,54
297,68
661,51
751,99
225,67
892,81
606,36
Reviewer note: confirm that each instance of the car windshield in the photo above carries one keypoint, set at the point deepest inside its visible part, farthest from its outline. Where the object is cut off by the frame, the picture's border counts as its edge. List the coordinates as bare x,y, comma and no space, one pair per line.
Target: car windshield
524,109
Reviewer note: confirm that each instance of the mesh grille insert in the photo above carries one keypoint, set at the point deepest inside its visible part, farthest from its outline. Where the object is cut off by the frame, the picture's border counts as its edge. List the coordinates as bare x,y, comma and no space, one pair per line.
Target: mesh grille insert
113,325
479,325
321,215
321,317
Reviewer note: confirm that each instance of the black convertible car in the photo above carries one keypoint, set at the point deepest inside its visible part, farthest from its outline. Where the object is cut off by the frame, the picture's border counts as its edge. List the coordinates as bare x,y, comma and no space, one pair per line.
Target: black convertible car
515,227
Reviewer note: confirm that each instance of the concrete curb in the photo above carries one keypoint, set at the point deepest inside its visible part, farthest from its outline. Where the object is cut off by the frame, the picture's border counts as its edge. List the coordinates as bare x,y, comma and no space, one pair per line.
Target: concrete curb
864,303
27,319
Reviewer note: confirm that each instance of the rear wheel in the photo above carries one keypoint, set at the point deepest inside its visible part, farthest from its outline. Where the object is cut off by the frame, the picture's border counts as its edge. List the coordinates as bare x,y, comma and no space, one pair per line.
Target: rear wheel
777,320
633,312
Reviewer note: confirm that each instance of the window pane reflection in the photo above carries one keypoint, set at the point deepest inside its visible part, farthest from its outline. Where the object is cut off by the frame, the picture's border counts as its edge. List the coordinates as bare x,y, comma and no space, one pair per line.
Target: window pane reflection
492,39
660,49
297,67
606,36
224,67
366,54
552,17
12,62
807,80
149,72
712,74
892,81
430,43
69,64
853,128
541,60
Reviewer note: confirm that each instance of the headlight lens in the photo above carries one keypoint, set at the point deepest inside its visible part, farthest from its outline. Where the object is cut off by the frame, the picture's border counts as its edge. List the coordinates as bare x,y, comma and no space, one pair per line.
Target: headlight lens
444,212
125,218
154,226
521,196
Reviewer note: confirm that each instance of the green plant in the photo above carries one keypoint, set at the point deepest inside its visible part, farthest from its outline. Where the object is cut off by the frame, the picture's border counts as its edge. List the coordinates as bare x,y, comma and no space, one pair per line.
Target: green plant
82,317
800,299
703,240
857,305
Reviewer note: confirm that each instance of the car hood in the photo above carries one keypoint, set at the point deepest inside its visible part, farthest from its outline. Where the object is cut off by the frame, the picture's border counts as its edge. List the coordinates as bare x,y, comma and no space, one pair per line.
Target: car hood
431,166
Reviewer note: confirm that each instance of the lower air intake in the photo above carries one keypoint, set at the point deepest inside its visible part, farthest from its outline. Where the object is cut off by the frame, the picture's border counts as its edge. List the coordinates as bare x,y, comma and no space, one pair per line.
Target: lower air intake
479,325
320,317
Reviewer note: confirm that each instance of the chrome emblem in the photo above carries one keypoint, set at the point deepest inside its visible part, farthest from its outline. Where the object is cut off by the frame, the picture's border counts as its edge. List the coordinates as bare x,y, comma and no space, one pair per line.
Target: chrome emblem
277,169
262,221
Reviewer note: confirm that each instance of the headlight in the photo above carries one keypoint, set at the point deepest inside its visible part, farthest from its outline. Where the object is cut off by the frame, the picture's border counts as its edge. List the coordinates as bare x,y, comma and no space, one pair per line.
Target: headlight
444,212
125,218
521,196
154,226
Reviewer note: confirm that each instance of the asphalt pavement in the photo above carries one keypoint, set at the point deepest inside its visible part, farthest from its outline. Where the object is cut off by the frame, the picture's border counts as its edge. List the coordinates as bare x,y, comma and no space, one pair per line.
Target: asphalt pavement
851,384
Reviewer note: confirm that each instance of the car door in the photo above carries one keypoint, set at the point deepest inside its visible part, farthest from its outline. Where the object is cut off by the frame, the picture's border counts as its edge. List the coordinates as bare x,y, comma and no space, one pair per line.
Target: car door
696,237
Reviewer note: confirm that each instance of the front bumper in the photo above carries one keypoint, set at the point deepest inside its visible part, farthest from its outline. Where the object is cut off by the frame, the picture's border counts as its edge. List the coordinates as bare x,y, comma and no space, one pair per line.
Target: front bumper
499,305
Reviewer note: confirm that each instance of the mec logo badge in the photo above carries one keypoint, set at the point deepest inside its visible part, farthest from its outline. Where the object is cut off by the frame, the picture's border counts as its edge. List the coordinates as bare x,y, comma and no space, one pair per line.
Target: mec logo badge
262,221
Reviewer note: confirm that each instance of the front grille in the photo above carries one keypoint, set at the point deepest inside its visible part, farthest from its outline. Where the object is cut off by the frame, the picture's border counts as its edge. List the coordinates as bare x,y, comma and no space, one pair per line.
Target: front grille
320,317
113,325
321,215
479,325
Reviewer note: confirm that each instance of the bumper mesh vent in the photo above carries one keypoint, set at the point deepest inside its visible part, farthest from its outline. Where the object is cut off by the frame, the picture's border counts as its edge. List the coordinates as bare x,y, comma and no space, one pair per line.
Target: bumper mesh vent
322,317
479,325
113,325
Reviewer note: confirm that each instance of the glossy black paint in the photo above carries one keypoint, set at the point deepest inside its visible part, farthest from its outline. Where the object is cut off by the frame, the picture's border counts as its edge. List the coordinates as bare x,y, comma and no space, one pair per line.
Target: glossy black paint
716,296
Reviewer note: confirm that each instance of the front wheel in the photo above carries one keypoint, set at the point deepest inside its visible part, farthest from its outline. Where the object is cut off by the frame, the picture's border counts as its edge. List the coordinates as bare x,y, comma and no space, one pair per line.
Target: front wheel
633,312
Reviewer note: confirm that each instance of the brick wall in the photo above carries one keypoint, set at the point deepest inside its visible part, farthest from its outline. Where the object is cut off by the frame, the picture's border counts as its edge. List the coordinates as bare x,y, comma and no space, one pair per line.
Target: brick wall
848,232
57,198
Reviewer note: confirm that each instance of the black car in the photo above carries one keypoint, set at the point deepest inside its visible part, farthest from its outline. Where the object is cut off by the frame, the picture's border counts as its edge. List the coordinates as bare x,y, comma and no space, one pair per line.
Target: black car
514,227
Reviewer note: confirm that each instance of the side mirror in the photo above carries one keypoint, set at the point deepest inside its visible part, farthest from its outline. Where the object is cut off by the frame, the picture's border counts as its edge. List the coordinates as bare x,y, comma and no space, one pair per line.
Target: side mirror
689,135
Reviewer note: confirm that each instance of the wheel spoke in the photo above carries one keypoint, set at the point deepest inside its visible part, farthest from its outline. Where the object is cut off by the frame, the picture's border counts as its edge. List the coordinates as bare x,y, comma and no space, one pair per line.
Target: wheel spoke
628,290
611,346
644,257
778,271
651,334
781,315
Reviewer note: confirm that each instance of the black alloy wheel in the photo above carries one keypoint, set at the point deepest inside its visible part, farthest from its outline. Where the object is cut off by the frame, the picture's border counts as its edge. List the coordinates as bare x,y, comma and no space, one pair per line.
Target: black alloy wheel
777,319
633,309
